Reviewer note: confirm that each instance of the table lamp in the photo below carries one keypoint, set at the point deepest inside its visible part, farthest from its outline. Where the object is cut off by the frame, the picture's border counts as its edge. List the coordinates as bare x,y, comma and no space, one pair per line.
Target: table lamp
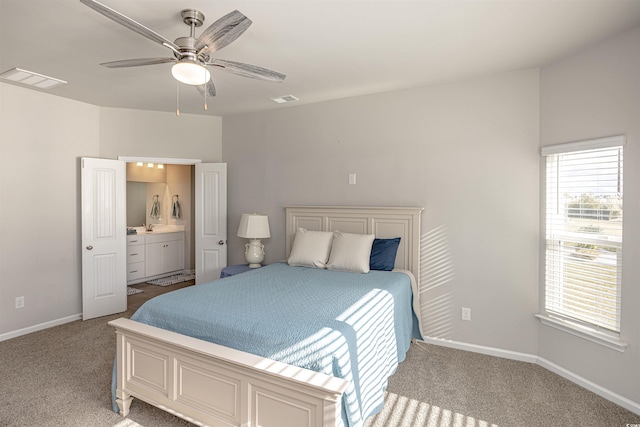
254,227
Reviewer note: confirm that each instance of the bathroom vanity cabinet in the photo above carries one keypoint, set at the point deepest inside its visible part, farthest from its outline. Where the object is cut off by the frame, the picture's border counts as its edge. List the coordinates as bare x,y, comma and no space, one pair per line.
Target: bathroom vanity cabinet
135,259
164,253
154,255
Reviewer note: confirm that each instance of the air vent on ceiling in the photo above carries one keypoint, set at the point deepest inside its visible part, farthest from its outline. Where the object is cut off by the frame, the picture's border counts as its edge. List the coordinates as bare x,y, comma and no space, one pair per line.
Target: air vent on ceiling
285,98
18,75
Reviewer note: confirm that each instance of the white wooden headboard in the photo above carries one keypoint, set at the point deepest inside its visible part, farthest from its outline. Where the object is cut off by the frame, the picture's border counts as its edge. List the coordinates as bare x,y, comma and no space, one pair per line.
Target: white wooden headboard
384,222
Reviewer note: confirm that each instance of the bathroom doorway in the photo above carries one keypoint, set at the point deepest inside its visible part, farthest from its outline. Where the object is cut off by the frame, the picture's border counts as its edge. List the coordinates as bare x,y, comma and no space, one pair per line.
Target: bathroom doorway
104,215
206,223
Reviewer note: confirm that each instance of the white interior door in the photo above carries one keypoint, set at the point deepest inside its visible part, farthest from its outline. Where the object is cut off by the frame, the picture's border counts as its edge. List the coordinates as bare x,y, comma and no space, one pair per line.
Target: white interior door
211,220
104,237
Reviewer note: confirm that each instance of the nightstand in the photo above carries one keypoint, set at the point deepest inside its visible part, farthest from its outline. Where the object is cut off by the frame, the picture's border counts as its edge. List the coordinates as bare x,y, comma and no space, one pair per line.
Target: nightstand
232,270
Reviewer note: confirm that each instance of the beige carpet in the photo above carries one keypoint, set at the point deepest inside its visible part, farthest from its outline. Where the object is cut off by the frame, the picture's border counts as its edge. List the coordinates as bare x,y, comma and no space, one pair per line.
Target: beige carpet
438,387
61,377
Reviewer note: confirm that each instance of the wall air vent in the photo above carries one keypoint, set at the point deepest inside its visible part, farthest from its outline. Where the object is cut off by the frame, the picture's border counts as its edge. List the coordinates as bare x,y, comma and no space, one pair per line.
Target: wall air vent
18,75
284,98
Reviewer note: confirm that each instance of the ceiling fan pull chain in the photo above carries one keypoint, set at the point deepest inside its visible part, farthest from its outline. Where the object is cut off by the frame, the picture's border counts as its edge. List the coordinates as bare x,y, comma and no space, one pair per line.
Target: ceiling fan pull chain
205,94
177,98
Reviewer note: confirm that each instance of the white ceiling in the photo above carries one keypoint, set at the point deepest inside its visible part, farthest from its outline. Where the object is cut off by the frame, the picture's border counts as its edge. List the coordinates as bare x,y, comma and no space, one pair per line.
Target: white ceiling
328,49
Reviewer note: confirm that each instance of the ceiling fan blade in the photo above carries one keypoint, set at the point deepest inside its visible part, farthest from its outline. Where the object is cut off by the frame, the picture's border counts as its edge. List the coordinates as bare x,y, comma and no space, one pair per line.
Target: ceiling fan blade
137,62
222,32
247,70
131,24
211,89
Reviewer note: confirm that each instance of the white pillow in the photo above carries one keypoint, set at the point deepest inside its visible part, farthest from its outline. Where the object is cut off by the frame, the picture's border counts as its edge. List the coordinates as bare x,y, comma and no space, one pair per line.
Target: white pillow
350,252
311,248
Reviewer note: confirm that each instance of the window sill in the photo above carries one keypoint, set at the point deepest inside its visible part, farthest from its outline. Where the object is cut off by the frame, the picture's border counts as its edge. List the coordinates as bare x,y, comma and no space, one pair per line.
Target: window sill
584,332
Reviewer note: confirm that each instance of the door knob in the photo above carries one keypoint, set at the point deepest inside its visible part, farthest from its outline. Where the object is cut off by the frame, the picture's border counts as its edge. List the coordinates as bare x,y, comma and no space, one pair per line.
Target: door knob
89,247
221,242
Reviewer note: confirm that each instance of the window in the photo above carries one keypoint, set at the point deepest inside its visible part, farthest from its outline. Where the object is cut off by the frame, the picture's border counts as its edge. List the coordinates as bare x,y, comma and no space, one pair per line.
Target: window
584,233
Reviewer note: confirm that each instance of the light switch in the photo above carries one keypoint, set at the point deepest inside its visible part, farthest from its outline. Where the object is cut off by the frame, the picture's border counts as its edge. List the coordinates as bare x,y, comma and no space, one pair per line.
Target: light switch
352,178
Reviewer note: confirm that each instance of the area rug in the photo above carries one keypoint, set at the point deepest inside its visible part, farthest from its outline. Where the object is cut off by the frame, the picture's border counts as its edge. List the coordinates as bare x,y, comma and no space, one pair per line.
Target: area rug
133,291
172,280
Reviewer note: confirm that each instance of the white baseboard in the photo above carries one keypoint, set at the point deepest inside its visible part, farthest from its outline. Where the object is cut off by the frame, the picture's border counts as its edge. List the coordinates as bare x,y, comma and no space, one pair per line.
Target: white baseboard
490,351
591,386
40,327
531,358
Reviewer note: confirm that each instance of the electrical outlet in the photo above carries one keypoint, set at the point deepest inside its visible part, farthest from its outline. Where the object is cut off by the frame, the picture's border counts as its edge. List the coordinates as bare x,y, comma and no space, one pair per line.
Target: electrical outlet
20,302
466,314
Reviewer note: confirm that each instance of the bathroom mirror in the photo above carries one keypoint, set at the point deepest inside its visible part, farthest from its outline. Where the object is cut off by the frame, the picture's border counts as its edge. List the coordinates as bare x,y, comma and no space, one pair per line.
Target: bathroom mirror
139,201
136,203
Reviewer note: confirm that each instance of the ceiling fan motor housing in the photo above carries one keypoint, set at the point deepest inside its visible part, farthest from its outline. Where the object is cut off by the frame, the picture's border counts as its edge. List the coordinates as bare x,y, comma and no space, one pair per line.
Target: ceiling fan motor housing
188,50
193,18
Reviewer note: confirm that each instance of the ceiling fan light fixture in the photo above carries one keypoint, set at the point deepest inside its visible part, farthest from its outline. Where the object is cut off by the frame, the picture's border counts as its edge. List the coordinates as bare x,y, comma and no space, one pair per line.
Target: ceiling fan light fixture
190,73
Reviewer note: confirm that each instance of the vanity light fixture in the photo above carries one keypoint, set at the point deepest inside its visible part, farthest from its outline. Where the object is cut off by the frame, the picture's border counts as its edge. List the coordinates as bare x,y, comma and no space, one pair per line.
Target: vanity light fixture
254,227
151,165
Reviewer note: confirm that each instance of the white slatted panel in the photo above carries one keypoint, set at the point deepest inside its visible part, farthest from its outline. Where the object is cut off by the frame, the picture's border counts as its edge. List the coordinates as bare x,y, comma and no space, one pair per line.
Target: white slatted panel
584,236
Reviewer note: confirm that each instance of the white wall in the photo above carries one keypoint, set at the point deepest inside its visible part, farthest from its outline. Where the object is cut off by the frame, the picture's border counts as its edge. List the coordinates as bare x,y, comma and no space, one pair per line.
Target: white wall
42,138
159,134
467,152
594,94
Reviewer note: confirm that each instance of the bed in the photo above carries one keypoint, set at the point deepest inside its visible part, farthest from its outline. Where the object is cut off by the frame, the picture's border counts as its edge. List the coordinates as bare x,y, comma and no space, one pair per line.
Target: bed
336,377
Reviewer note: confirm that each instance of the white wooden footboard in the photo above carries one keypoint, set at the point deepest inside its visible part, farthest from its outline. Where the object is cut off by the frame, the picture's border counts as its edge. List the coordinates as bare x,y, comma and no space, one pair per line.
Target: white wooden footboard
208,384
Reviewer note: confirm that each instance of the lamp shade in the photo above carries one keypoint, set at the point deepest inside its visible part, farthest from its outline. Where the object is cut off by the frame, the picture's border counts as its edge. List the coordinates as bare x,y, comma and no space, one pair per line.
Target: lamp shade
191,73
254,226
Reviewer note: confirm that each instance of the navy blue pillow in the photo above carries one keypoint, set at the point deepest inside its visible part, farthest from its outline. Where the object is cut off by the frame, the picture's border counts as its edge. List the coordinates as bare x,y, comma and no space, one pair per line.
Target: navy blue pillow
383,254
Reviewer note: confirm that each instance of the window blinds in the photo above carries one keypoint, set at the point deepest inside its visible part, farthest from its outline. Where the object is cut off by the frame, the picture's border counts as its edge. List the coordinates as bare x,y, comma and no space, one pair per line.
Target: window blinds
584,235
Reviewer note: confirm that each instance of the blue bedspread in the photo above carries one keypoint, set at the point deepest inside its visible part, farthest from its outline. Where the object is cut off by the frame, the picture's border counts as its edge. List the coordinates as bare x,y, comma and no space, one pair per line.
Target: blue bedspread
349,325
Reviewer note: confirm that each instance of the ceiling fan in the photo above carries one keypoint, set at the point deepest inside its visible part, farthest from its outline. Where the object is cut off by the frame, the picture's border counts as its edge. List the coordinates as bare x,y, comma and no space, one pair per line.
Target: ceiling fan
192,55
